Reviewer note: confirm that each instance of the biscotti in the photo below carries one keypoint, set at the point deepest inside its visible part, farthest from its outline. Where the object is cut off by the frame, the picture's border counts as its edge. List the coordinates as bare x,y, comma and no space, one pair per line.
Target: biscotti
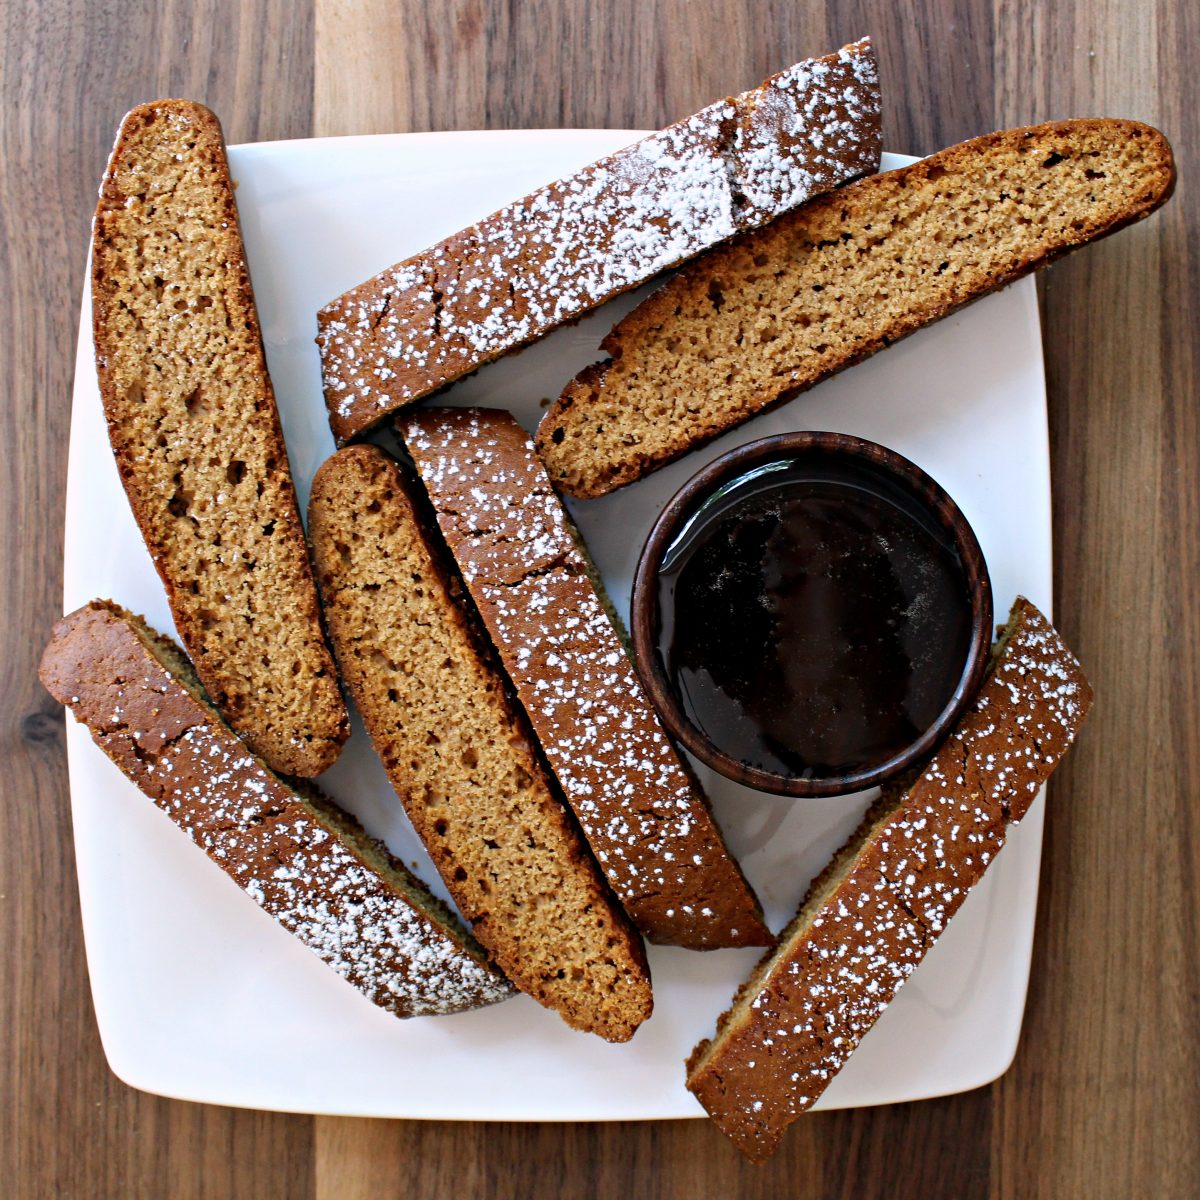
887,896
573,244
755,322
300,858
643,814
192,420
459,754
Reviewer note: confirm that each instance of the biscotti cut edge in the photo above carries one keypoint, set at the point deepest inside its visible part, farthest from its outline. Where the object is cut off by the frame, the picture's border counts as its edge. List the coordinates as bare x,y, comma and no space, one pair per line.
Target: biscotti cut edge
872,914
644,815
569,246
196,435
459,753
755,322
303,860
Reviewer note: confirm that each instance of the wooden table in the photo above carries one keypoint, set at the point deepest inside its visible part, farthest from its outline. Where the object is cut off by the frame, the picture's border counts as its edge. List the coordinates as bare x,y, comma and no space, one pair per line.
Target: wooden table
1102,1100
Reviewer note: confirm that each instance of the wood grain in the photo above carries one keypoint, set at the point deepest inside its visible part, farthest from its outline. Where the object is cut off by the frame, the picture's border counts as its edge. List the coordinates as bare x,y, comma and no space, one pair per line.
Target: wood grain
70,70
1102,1100
1121,1083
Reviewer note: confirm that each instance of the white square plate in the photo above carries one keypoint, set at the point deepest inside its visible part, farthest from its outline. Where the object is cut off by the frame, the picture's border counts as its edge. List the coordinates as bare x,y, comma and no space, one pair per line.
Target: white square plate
200,996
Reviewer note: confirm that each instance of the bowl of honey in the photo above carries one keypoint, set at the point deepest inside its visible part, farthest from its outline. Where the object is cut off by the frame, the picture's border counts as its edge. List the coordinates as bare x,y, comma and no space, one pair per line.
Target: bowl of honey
811,614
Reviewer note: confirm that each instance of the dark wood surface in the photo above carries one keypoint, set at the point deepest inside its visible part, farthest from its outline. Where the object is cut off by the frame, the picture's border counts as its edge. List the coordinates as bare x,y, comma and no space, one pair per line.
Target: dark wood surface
1102,1099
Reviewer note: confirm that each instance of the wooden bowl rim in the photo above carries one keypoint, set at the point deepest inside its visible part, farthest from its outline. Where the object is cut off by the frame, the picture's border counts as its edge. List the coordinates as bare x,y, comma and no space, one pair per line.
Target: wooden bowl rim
643,609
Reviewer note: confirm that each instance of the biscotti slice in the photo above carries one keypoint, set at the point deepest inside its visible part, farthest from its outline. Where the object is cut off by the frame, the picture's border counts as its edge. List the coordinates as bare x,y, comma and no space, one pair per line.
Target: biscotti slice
459,753
299,857
753,323
192,420
643,814
573,244
886,897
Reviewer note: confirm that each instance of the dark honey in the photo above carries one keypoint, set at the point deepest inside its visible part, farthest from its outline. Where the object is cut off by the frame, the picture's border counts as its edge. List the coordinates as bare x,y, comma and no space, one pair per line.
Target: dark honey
813,617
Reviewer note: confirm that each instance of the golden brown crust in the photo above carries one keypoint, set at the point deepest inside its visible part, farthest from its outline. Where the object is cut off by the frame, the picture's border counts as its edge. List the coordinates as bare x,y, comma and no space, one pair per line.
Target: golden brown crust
196,435
306,863
889,893
753,323
644,816
459,753
553,255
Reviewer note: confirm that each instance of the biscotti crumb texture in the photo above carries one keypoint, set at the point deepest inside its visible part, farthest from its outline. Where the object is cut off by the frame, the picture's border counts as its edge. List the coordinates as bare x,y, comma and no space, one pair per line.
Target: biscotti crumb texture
553,255
643,814
192,420
300,858
460,756
751,324
872,915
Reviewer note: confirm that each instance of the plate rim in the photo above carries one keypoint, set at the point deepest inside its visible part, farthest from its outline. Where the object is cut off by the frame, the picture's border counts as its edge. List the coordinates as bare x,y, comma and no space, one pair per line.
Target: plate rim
78,739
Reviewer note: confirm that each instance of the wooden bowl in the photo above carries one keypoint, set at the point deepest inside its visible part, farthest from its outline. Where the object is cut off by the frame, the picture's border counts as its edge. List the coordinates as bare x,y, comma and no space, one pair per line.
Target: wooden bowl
835,451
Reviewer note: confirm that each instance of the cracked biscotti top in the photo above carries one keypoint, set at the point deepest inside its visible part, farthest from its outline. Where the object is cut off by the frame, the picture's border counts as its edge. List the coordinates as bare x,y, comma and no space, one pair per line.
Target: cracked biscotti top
757,321
300,858
571,245
872,915
459,752
193,425
644,815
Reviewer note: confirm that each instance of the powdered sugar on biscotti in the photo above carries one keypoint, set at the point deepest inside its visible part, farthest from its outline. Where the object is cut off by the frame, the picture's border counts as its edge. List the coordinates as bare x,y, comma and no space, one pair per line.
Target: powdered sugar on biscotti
644,817
573,244
305,864
802,127
889,894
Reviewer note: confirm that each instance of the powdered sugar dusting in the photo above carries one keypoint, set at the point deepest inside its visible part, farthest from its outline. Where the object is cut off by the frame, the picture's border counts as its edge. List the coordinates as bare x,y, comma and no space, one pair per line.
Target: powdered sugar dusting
286,854
648,824
573,244
836,971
